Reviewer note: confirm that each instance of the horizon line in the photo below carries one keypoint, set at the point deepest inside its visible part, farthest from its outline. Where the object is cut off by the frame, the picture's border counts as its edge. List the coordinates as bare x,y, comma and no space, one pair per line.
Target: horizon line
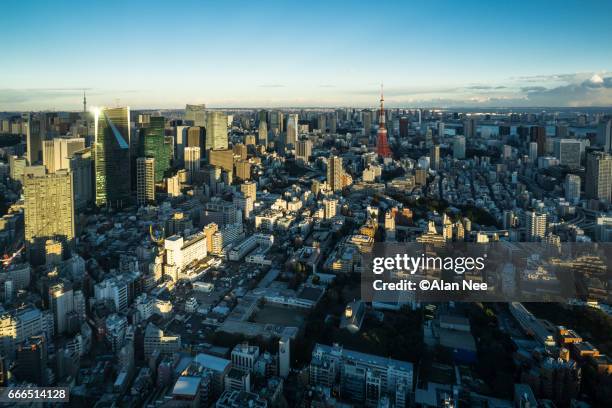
324,107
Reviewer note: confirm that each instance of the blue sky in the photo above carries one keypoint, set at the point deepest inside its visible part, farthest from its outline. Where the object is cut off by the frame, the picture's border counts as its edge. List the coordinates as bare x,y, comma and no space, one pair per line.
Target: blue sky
312,53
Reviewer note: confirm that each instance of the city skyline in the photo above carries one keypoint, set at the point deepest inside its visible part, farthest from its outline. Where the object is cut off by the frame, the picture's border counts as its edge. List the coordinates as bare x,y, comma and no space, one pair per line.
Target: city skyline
311,204
319,55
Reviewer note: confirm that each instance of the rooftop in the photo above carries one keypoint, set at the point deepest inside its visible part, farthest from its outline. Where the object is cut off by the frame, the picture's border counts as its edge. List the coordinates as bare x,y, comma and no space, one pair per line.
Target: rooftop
212,362
186,386
366,358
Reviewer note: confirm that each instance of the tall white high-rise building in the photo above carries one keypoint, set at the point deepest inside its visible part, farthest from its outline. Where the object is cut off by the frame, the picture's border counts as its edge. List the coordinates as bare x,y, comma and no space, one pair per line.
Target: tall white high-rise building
173,186
535,225
58,152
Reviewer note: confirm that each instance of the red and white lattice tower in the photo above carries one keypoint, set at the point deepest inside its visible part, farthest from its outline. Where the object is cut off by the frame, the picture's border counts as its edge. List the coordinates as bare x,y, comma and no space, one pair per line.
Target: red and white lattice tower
382,145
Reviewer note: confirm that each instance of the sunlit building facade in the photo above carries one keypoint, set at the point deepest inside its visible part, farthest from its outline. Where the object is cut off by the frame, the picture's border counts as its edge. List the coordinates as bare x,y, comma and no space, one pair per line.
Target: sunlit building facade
112,157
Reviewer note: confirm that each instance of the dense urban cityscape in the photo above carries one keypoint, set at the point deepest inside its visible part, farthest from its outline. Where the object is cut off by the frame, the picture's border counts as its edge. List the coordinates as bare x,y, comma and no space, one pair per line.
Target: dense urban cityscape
306,204
206,257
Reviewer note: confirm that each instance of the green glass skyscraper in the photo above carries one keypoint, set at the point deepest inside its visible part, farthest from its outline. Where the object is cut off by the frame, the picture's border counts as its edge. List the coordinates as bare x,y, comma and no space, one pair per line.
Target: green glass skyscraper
112,157
152,145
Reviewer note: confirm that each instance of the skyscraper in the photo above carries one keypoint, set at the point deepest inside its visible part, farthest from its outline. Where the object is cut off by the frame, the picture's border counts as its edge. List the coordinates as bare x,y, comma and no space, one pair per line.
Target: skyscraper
382,145
81,166
195,136
572,188
568,152
538,135
216,131
276,122
599,176
533,152
322,123
112,157
333,122
434,154
49,211
469,128
366,120
34,130
303,150
195,114
58,152
459,147
428,138
292,130
440,131
153,145
180,141
334,173
604,135
192,161
145,180
404,124
262,134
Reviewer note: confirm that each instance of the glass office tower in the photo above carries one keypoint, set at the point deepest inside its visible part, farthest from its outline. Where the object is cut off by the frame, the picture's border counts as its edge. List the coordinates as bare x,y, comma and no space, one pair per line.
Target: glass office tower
153,145
112,157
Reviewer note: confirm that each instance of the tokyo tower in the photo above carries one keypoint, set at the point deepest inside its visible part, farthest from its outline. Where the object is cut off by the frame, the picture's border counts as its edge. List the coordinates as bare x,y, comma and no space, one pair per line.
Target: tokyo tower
382,146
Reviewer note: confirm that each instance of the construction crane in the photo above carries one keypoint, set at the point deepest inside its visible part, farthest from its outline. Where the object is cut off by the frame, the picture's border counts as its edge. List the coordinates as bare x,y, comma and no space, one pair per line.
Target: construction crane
8,259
